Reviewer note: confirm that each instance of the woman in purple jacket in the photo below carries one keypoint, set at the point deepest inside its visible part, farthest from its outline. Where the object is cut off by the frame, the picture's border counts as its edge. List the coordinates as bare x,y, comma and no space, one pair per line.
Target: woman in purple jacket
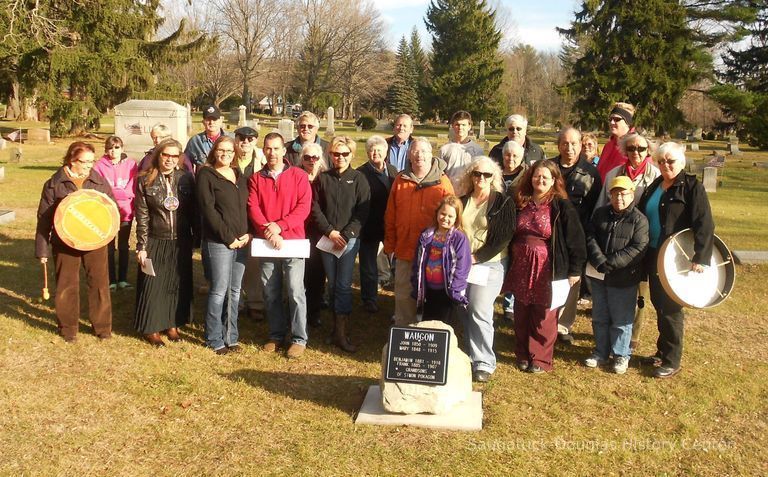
120,172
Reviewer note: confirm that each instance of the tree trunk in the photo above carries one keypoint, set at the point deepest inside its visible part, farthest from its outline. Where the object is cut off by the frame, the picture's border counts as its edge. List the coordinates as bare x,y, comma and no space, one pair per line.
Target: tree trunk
13,110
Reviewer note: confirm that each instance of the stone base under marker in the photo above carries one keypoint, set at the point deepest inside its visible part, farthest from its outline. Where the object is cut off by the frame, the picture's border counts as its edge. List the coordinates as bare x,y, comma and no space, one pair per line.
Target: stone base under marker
466,416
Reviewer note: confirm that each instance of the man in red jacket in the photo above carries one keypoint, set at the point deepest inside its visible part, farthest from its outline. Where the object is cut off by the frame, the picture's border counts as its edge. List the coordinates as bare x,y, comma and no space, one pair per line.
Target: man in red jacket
279,201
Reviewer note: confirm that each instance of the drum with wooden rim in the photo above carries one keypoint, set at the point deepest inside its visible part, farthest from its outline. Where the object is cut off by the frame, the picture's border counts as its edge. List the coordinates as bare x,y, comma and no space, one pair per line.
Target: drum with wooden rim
86,220
691,289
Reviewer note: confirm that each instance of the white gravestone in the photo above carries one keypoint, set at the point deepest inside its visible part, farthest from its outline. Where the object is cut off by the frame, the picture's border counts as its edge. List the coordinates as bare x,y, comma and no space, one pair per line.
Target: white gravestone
285,127
330,129
241,121
482,131
2,143
2,174
695,146
710,179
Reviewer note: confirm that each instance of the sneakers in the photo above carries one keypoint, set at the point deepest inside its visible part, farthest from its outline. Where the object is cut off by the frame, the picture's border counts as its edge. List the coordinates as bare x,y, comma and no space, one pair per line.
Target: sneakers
295,351
124,285
565,338
594,361
535,369
620,364
665,372
481,376
112,286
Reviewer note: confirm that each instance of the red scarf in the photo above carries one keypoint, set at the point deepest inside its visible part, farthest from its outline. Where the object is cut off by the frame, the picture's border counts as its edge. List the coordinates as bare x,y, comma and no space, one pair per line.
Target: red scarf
633,173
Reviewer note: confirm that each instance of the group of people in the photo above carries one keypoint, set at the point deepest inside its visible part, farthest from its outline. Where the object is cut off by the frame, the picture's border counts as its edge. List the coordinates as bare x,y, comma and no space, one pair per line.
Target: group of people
452,232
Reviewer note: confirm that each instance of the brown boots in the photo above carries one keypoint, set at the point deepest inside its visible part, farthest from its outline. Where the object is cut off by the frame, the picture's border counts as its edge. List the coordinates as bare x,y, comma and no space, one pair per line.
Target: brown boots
339,337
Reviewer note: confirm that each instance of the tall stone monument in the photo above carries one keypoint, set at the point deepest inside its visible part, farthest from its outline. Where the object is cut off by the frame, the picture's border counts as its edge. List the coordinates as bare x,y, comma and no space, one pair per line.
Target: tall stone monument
481,135
241,121
330,129
285,128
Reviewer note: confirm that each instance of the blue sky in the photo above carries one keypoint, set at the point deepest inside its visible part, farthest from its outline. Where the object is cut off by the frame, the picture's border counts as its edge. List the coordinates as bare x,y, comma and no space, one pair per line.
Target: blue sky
533,22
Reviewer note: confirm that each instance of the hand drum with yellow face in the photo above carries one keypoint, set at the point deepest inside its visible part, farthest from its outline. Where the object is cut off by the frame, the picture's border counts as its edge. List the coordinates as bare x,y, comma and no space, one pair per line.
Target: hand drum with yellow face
86,220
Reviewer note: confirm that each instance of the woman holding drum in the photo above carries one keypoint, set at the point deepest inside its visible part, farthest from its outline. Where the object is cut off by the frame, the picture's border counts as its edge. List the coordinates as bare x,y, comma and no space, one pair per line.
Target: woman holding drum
165,220
75,174
673,202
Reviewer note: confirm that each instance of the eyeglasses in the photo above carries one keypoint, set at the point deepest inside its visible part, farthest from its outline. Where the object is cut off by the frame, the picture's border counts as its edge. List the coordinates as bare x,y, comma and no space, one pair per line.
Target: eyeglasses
637,148
169,156
615,119
623,194
307,157
246,139
225,152
478,174
668,162
513,128
306,126
341,154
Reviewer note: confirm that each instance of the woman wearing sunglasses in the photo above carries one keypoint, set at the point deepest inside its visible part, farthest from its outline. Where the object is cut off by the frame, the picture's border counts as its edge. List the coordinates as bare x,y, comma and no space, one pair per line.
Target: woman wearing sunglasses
642,172
675,201
340,206
314,273
489,223
165,224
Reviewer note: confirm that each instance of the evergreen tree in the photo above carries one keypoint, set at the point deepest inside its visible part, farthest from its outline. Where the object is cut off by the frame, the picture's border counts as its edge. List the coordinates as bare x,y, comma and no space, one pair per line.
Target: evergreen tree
401,95
643,53
466,65
420,65
108,56
745,93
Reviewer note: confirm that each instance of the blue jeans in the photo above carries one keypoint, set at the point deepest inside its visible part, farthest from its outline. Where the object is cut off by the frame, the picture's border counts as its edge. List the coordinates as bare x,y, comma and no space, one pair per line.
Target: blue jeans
613,311
276,272
369,271
478,318
226,267
339,272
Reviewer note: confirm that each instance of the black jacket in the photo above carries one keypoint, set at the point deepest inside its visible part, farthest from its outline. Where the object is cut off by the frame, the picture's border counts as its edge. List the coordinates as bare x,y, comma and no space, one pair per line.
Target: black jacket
583,186
54,191
502,219
616,244
684,205
154,220
567,245
223,205
340,202
379,185
533,152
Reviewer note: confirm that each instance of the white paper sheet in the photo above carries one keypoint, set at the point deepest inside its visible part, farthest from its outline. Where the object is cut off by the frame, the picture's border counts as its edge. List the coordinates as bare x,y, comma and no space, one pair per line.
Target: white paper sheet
326,245
478,275
593,273
297,248
147,268
560,289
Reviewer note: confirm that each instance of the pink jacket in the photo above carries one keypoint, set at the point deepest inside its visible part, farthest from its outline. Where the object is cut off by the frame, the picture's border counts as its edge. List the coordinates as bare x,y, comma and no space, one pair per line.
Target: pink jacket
121,178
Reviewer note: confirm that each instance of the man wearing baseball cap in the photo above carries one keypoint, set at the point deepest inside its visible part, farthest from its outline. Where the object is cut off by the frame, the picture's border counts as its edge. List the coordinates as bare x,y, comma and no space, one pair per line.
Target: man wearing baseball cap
200,144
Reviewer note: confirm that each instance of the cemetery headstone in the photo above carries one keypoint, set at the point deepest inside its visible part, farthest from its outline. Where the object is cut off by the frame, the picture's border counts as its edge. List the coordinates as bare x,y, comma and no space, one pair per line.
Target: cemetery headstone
481,135
241,121
38,136
733,146
710,179
330,128
14,155
2,143
285,127
7,216
2,174
695,146
423,370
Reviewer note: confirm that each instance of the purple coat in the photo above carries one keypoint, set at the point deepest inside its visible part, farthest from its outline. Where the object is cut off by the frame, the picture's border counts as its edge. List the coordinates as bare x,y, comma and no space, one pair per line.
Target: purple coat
121,178
457,260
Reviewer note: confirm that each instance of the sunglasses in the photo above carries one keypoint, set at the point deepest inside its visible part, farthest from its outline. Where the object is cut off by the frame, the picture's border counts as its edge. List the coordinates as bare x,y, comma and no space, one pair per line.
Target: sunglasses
306,126
513,128
668,162
307,157
244,139
637,148
169,156
341,154
478,174
615,119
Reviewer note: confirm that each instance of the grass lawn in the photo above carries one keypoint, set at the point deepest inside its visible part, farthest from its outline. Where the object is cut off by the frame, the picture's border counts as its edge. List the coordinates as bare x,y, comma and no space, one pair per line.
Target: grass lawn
123,408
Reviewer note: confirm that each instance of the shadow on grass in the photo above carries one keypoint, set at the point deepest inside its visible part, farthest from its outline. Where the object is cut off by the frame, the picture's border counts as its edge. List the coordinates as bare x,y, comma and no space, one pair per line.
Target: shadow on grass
340,392
40,168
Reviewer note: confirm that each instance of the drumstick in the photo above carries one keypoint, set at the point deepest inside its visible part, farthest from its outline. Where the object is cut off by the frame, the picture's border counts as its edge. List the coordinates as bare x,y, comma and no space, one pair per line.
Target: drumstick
46,295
